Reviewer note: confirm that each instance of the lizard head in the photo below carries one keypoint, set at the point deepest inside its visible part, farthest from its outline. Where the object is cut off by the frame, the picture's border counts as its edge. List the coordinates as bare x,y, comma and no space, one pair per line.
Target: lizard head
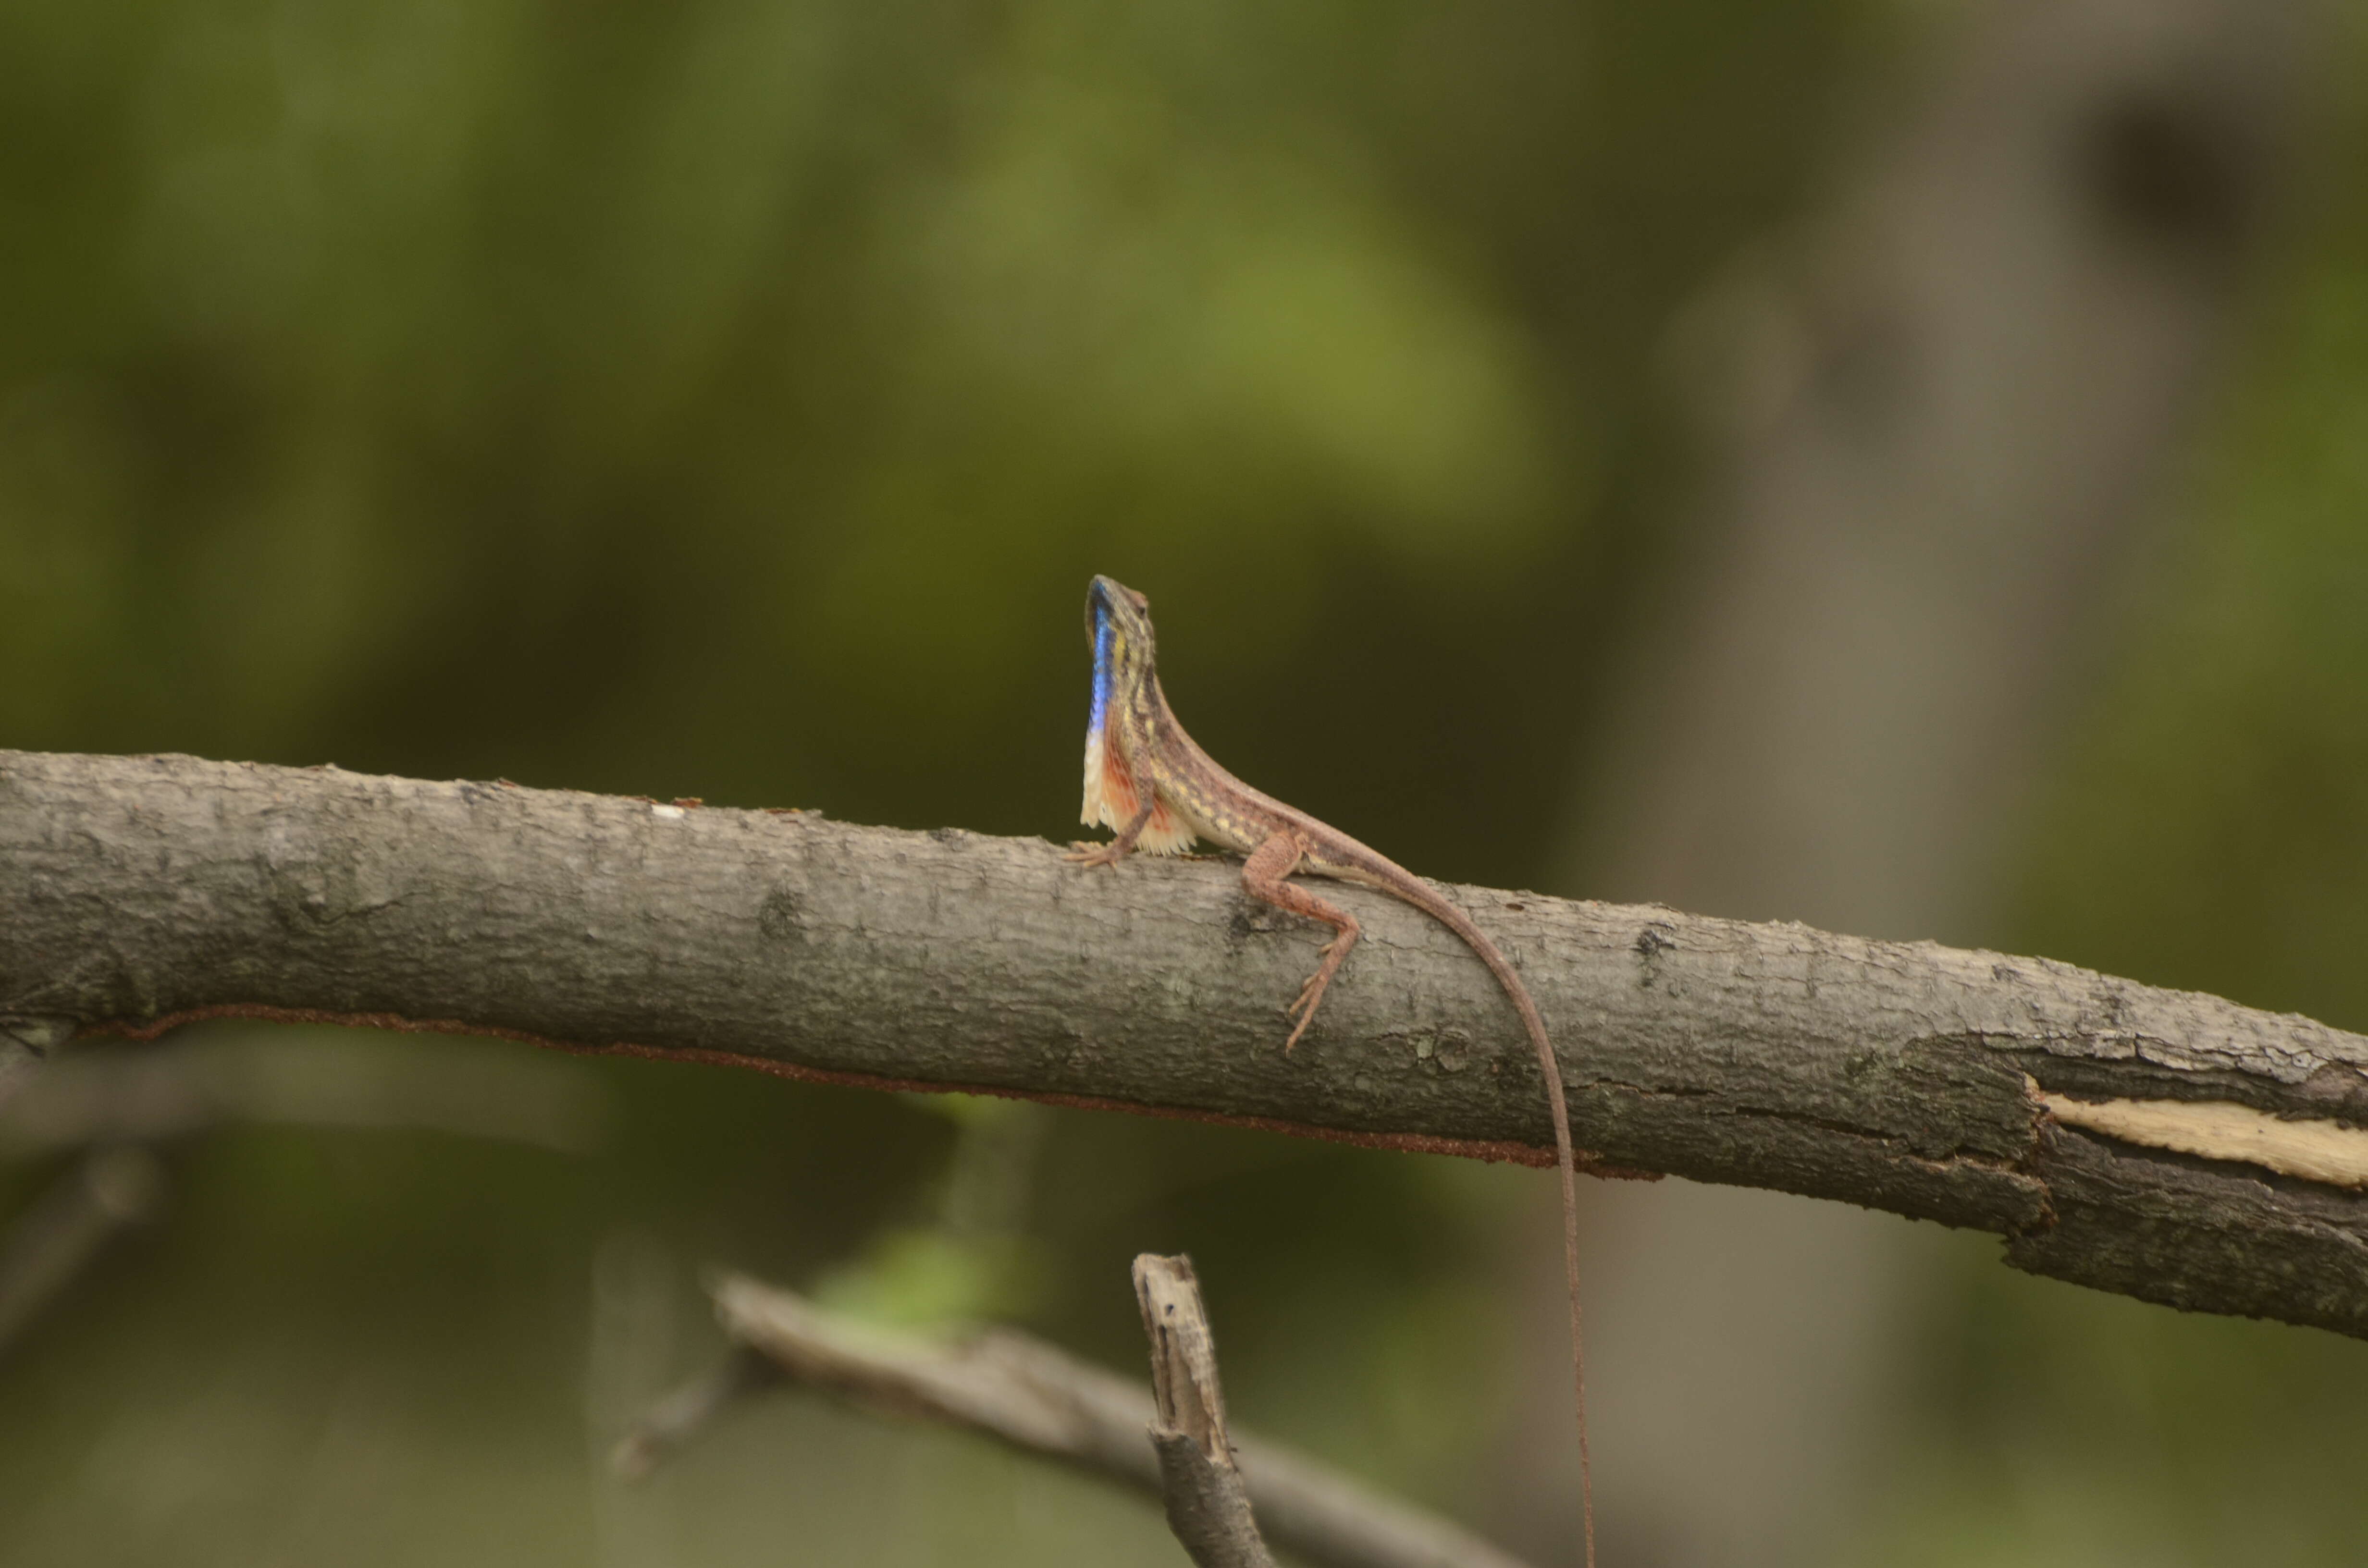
1117,628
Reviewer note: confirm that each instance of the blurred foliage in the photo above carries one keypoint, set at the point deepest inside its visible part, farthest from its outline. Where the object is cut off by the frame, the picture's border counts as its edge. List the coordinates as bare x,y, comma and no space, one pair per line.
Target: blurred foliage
2208,829
976,1261
732,399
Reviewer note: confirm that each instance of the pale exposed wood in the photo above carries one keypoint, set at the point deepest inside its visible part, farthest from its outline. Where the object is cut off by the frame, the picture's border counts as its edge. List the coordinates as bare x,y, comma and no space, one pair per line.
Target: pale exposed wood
2316,1151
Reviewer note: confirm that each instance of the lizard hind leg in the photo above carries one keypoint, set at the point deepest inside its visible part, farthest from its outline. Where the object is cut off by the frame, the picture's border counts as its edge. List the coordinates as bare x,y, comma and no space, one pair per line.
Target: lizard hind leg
1264,874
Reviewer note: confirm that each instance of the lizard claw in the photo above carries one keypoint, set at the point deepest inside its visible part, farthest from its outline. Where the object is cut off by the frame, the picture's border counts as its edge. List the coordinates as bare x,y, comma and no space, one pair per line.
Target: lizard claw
1090,855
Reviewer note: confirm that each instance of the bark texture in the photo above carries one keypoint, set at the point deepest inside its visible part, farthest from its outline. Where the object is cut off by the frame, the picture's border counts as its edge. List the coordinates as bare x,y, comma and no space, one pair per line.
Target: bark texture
140,892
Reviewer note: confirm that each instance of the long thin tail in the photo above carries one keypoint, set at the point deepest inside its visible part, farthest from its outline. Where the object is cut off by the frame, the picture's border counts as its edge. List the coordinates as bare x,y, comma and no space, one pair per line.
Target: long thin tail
1565,1159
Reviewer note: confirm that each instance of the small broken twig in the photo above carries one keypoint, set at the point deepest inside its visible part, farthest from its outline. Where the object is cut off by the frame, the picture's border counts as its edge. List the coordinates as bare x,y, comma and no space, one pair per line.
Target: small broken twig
57,1235
181,1089
25,1043
114,1104
1208,1507
674,1421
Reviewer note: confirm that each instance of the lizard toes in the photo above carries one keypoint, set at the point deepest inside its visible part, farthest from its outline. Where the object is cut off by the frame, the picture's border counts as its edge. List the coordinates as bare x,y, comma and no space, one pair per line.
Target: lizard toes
1310,996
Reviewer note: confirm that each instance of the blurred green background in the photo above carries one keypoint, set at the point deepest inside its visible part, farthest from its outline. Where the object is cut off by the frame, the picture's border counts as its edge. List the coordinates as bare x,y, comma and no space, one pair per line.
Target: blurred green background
732,399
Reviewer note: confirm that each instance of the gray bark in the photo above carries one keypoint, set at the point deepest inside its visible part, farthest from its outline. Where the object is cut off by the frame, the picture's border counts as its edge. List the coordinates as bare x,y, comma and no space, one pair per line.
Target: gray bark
1208,1511
139,892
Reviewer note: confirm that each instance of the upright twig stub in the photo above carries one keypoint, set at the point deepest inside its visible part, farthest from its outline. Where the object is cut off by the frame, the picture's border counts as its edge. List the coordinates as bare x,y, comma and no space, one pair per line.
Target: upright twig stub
1207,1507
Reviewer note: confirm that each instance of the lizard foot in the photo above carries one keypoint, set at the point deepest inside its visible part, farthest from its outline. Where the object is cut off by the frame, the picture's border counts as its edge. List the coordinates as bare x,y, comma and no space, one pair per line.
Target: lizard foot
1092,855
1310,995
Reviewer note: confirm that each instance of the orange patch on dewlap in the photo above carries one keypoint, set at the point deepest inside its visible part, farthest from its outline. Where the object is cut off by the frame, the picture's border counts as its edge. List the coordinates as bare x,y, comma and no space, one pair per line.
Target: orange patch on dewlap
1113,799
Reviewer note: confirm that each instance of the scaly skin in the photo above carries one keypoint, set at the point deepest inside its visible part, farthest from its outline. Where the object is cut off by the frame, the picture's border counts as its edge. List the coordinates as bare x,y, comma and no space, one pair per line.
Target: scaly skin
1149,780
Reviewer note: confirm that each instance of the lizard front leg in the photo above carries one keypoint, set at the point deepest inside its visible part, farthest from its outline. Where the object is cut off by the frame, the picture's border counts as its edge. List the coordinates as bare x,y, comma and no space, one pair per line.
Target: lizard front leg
1263,874
1110,854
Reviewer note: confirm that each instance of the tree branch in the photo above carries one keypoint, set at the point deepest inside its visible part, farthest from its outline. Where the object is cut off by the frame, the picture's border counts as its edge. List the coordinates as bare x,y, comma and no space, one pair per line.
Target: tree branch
136,892
1036,1397
126,1096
